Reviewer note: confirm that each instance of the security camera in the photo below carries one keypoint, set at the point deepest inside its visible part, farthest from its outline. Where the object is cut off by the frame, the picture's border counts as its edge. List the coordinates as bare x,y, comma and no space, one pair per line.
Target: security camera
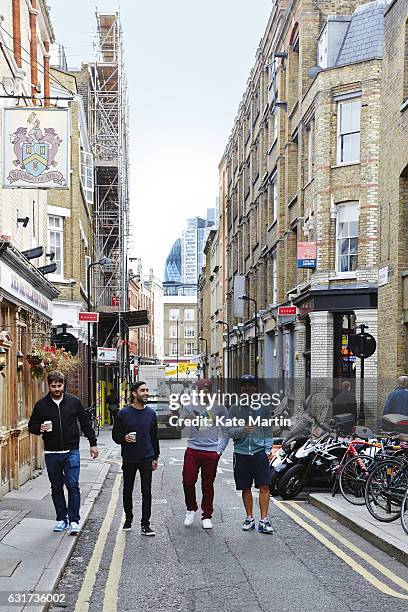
72,282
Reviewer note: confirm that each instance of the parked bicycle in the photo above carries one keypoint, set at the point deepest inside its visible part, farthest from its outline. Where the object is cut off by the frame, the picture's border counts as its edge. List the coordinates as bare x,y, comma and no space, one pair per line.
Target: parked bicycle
95,419
385,489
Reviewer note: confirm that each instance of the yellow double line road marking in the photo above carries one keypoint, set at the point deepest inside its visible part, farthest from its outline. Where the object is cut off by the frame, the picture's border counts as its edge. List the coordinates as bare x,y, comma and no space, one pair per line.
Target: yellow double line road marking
82,604
359,569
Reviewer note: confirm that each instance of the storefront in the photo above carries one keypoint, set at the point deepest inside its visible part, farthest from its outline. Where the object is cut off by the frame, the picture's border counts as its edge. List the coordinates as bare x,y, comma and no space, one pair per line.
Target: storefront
25,321
327,319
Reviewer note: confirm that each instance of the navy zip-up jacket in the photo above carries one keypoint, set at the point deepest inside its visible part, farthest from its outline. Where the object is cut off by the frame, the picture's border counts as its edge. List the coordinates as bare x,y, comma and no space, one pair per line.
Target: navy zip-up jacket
144,423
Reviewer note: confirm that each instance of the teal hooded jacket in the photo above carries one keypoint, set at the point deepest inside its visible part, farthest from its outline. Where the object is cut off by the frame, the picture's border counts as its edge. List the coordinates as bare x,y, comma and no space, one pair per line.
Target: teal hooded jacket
260,439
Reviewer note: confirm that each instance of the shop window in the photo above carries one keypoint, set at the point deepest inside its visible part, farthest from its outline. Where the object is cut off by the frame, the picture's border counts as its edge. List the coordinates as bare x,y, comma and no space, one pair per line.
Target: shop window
56,242
344,362
348,131
347,234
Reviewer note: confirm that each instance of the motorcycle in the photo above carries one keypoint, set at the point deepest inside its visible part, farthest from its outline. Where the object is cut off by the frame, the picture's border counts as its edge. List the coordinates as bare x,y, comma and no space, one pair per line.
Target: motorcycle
284,459
317,459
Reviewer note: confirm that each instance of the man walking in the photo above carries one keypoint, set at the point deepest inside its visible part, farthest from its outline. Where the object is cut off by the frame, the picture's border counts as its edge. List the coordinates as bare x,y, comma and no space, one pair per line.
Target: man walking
56,417
397,400
204,449
252,445
135,428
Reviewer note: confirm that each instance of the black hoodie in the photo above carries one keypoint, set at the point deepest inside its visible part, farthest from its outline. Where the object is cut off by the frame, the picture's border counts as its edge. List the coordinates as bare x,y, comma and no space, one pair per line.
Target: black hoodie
65,417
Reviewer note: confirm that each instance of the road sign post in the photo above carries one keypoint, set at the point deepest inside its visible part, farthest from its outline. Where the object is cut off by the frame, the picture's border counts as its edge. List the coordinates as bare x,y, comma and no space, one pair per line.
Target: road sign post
363,345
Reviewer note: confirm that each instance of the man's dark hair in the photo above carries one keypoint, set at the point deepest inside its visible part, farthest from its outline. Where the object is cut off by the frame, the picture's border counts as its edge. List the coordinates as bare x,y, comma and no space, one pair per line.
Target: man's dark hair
55,376
135,386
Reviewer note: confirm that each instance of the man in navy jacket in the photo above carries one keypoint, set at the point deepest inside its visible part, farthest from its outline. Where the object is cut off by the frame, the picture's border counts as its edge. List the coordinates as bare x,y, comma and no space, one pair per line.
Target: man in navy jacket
135,428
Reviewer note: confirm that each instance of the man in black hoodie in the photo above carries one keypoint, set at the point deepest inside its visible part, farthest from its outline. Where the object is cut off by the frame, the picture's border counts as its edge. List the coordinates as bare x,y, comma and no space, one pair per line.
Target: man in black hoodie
135,428
56,417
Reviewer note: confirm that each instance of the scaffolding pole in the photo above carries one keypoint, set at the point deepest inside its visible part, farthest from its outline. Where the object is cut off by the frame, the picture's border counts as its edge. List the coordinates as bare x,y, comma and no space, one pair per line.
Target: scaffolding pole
108,127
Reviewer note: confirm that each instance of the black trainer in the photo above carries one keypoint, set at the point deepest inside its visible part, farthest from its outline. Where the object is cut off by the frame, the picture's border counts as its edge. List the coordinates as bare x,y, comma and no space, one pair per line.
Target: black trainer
127,525
147,531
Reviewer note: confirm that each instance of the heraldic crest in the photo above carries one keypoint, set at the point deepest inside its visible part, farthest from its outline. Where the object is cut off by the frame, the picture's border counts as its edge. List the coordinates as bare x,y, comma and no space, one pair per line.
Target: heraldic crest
35,150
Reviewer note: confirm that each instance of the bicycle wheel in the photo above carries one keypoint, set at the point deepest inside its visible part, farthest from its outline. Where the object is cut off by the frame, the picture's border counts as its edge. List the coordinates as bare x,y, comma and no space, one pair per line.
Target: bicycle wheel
385,490
353,478
404,512
95,425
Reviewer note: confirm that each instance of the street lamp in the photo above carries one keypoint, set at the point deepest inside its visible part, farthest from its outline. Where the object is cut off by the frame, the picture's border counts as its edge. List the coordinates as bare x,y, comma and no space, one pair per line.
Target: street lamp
103,261
177,347
206,353
219,322
249,299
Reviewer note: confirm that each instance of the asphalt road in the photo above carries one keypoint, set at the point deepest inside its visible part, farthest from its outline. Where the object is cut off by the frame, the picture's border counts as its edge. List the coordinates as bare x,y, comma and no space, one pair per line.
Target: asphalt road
311,563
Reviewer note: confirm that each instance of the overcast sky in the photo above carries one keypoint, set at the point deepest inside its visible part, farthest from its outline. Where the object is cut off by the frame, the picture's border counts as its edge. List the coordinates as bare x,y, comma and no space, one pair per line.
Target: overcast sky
187,64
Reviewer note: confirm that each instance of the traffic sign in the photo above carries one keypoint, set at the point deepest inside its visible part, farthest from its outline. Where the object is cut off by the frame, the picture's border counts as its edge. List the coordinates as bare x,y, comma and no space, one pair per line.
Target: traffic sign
107,355
66,341
90,317
363,345
286,311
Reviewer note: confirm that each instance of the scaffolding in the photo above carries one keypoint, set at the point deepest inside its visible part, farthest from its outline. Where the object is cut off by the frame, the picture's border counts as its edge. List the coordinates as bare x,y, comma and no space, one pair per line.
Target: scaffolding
108,128
103,86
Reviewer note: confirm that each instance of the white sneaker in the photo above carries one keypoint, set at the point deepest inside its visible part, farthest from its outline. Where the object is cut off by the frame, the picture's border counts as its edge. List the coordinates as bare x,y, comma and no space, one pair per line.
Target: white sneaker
189,520
207,524
74,528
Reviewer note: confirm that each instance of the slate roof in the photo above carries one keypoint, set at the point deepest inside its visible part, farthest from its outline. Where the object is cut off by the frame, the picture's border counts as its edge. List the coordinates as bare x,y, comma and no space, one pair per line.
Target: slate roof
365,36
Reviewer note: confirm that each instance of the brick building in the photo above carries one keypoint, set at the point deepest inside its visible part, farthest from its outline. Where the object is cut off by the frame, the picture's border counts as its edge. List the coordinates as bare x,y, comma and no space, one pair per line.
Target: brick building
70,233
301,166
393,255
180,334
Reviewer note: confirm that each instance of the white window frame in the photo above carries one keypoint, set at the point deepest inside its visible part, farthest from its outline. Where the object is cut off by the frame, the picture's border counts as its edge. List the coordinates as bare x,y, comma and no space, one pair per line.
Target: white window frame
189,331
274,279
172,331
173,348
87,175
174,314
58,275
88,261
187,351
187,312
341,134
355,207
310,153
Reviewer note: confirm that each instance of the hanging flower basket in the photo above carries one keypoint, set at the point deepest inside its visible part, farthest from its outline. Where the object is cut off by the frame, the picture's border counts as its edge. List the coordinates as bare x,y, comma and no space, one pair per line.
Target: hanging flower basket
45,359
34,360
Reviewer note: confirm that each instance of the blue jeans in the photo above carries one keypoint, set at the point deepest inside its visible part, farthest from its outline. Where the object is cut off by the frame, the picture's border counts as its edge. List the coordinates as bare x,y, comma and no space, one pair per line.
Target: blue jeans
63,469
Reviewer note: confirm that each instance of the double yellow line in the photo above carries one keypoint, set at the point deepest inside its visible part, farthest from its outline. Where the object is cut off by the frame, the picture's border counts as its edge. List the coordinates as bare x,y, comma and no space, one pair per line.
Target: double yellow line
112,583
288,508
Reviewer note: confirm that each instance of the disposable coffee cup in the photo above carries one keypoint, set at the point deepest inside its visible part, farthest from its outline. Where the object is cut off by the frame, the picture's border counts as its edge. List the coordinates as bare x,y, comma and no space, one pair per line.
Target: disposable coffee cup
133,435
49,425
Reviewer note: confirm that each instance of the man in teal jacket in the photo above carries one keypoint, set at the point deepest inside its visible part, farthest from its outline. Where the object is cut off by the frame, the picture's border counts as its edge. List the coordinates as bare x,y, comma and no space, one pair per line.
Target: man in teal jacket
253,441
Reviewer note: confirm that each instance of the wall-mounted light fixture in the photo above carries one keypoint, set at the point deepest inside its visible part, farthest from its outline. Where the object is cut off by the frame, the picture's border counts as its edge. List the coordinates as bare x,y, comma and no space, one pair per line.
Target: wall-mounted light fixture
3,358
20,361
23,220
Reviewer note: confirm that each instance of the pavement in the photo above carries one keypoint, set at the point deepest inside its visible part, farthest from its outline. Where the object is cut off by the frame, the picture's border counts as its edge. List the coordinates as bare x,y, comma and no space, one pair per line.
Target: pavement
388,537
32,556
